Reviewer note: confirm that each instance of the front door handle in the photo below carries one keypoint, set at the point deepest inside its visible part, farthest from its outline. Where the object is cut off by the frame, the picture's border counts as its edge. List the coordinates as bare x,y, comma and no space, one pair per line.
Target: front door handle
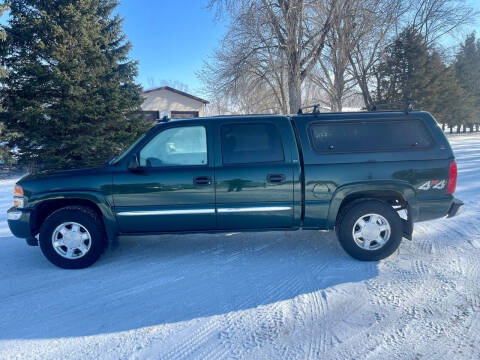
276,178
202,180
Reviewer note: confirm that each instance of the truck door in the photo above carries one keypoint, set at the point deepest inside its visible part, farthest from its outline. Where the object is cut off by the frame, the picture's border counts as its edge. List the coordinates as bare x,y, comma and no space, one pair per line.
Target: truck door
173,190
254,174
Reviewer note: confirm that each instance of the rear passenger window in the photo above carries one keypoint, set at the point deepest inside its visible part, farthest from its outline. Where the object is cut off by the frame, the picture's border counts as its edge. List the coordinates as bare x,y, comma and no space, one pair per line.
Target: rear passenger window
251,143
369,136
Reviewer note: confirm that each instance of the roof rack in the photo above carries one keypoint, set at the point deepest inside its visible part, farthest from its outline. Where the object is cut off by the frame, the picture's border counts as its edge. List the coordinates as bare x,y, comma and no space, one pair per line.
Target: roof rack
163,119
407,106
316,109
253,114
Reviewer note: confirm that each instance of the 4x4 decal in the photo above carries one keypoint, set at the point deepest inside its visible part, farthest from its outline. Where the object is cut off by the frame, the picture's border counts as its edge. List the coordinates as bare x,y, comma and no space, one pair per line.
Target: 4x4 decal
433,184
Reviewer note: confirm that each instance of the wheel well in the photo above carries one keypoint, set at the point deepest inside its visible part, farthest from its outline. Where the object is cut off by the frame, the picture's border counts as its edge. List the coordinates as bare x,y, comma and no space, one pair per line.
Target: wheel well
44,209
395,199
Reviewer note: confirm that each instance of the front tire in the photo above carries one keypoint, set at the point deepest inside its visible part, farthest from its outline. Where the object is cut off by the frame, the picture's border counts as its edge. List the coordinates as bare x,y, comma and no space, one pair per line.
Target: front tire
369,230
72,237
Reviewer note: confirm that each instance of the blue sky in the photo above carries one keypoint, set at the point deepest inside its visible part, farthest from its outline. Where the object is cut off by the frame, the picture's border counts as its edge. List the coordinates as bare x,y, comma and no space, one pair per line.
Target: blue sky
171,39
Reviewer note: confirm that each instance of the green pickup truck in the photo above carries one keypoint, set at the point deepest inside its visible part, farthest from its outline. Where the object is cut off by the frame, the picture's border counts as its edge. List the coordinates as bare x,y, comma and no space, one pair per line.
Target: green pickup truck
367,175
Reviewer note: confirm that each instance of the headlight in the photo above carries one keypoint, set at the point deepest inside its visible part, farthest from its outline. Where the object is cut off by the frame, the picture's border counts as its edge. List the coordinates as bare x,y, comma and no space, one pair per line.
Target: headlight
18,197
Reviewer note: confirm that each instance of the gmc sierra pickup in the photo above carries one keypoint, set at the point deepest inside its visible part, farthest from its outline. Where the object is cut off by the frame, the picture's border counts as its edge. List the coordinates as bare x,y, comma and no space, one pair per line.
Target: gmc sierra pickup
368,175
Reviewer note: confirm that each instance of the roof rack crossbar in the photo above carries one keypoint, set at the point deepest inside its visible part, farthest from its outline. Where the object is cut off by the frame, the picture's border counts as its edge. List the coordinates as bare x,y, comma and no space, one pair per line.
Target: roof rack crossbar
407,106
316,108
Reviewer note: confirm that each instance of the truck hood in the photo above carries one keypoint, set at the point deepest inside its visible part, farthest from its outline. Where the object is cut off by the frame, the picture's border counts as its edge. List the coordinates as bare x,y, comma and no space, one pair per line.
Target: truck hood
97,179
61,173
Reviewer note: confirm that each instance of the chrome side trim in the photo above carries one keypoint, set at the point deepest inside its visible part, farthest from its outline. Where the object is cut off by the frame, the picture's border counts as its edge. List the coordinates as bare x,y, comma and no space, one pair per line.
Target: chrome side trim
254,209
166,212
14,215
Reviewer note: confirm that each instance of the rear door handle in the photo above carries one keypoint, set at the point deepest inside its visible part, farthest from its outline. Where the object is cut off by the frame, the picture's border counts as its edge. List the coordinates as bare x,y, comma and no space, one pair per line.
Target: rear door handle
202,180
276,178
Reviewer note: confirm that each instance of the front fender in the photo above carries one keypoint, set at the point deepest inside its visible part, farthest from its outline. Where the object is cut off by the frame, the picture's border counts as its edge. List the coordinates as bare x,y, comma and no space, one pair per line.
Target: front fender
97,198
372,188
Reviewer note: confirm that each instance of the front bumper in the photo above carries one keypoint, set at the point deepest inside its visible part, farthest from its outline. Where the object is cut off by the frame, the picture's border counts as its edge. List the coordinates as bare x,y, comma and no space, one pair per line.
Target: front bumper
19,222
455,208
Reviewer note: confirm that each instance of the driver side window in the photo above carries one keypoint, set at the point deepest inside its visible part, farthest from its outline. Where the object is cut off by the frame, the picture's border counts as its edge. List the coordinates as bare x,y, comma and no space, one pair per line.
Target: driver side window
179,146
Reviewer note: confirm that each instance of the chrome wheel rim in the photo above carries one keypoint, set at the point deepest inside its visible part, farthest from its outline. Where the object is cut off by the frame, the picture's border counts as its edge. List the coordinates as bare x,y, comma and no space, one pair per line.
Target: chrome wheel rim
71,240
371,232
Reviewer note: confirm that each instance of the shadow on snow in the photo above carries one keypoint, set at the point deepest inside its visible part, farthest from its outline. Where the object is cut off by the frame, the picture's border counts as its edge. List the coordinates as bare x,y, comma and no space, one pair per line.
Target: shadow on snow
153,281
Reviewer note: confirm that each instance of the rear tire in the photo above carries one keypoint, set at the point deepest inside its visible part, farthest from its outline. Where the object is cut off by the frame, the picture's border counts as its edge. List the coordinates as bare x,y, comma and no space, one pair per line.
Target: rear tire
369,230
72,237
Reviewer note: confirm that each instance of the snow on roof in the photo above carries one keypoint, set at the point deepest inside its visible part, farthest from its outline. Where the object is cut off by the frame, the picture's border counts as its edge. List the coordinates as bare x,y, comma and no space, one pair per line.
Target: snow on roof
168,88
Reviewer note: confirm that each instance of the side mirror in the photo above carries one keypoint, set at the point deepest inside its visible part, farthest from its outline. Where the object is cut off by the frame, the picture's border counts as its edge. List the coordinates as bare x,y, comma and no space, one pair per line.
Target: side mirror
134,164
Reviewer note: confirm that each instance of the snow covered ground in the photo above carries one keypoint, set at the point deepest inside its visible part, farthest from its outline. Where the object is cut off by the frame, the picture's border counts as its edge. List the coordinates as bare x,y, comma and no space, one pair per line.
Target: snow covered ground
252,296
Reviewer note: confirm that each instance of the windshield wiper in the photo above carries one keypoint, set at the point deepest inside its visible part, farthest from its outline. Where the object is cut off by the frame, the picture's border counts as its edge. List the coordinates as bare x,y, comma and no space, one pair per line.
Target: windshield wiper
111,160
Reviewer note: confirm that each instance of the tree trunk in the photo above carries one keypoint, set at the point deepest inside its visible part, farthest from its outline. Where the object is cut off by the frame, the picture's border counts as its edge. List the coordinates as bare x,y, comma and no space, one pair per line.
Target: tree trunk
464,128
367,98
458,128
443,126
339,105
362,82
339,78
294,93
451,129
337,101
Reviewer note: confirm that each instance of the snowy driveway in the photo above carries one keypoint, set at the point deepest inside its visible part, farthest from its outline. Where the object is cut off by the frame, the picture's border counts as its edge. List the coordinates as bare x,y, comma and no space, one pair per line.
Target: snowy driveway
269,295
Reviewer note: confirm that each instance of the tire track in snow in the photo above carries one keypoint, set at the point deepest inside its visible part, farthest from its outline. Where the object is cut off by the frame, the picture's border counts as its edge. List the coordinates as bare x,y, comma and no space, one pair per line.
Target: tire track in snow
192,341
242,333
467,315
315,305
192,344
396,303
418,299
301,308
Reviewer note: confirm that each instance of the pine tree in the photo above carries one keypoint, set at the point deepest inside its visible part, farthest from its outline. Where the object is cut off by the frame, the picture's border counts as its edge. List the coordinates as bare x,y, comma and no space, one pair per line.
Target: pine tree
401,76
413,72
467,70
453,106
5,156
3,34
70,84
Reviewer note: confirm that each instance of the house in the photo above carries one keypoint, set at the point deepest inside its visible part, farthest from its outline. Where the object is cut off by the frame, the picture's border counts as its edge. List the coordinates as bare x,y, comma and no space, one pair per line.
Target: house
173,103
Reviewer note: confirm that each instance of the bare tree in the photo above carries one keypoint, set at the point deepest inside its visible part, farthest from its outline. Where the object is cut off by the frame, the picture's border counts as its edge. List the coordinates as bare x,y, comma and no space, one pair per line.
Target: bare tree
274,46
331,73
247,62
362,30
380,20
292,33
372,22
436,18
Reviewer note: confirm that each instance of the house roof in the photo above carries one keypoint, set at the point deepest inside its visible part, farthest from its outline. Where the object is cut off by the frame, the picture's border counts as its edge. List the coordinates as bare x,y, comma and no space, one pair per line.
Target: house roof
178,92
